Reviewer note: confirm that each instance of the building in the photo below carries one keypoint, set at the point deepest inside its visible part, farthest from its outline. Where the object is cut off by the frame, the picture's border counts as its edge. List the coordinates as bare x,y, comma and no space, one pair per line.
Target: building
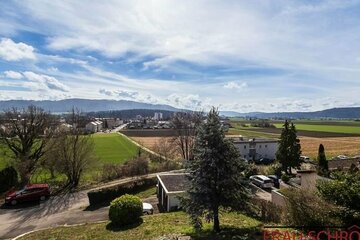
169,188
158,116
256,148
95,126
111,123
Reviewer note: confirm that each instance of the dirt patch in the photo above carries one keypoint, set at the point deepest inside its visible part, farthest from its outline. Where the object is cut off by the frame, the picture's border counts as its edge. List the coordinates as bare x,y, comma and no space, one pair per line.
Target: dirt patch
149,132
150,142
349,146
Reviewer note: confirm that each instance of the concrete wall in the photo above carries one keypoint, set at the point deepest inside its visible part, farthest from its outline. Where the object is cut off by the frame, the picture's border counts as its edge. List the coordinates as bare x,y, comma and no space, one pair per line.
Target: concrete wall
309,180
277,198
174,202
345,163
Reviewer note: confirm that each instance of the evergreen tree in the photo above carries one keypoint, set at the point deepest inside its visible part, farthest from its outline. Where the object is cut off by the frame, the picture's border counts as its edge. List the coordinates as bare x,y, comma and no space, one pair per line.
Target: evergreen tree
215,178
323,168
289,149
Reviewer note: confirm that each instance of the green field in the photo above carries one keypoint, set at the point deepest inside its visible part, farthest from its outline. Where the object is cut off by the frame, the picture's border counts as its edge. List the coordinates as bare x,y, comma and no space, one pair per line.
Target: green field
325,128
235,226
113,148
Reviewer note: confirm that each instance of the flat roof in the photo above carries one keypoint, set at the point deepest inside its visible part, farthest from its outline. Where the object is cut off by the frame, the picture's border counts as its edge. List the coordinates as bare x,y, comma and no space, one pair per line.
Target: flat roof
173,182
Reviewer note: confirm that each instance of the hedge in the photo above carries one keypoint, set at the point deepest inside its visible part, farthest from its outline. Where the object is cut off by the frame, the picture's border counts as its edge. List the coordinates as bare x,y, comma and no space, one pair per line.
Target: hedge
8,179
106,195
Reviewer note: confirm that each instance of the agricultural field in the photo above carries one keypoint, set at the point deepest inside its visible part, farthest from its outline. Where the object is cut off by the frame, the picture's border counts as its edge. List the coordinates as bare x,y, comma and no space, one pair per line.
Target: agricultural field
342,129
151,142
338,137
349,146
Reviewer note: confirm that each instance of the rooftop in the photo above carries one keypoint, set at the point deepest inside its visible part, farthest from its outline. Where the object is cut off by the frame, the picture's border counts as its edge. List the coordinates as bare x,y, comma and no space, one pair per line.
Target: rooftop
173,182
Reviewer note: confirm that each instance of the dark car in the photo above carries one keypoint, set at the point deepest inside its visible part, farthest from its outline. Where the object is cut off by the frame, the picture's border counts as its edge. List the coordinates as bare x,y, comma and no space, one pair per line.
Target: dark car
32,192
275,180
264,161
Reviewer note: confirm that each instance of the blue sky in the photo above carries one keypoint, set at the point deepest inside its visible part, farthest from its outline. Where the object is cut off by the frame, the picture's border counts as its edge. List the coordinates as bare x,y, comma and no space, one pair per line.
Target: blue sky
254,55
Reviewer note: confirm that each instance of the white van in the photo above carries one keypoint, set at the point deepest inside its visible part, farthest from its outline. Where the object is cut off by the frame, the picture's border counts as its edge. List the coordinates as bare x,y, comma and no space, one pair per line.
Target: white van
261,181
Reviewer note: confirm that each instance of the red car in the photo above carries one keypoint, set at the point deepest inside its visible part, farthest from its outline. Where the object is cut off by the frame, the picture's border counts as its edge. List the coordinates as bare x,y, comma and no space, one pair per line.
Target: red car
30,192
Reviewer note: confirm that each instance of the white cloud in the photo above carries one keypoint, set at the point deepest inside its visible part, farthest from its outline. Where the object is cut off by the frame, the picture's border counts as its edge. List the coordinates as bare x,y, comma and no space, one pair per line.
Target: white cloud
11,51
45,82
235,85
188,101
13,74
130,95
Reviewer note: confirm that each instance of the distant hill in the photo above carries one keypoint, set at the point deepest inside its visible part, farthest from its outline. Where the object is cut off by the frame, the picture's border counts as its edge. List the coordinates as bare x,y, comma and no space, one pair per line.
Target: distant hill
340,113
85,105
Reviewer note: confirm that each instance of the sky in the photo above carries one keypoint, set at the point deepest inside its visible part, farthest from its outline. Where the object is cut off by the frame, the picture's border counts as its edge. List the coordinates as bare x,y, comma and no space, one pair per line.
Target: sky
245,56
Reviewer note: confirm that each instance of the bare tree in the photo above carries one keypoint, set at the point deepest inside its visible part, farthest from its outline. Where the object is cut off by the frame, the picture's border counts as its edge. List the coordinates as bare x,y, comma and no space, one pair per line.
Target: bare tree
74,152
185,124
26,134
165,148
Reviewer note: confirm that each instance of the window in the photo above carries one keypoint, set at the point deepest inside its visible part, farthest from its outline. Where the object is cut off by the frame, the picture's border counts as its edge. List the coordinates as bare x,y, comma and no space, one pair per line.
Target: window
244,156
259,146
265,146
244,146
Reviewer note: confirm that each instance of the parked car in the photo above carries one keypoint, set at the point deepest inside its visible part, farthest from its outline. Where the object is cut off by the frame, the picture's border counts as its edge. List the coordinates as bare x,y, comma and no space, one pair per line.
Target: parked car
148,209
340,157
261,181
275,180
264,161
32,192
305,159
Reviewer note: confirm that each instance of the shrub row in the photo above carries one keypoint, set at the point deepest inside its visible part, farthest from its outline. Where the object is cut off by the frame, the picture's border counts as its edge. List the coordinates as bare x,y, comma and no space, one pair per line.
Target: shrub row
106,195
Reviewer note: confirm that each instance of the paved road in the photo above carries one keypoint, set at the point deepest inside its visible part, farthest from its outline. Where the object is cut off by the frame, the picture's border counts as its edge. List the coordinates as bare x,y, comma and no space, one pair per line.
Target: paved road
69,208
118,128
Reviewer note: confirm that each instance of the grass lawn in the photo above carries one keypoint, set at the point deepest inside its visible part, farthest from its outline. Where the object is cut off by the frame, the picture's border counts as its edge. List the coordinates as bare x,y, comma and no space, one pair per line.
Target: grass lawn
325,128
146,193
113,148
235,226
4,156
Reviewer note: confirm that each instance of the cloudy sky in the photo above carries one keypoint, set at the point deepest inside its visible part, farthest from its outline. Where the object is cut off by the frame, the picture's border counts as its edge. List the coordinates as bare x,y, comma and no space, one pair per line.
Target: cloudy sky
254,55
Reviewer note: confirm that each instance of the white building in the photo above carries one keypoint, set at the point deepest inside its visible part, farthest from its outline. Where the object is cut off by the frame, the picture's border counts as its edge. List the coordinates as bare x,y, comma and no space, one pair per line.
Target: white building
169,188
256,148
158,116
95,126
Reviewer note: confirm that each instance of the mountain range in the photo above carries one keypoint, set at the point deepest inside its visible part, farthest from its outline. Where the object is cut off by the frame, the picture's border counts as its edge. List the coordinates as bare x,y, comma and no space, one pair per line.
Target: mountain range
94,105
85,105
341,113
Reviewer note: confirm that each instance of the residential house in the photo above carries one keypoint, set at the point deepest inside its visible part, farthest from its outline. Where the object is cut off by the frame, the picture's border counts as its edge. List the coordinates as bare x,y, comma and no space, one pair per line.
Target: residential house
95,126
255,148
169,188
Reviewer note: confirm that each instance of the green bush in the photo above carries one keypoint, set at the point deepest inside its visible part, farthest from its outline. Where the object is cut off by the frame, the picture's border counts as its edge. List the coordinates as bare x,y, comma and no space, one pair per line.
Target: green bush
106,195
125,210
285,178
8,178
304,208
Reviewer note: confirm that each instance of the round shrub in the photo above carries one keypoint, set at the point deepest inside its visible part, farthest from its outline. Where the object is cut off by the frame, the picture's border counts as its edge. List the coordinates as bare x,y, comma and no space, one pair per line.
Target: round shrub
125,210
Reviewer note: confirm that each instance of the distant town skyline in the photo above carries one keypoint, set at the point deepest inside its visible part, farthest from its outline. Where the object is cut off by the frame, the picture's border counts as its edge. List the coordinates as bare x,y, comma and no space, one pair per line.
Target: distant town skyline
242,56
